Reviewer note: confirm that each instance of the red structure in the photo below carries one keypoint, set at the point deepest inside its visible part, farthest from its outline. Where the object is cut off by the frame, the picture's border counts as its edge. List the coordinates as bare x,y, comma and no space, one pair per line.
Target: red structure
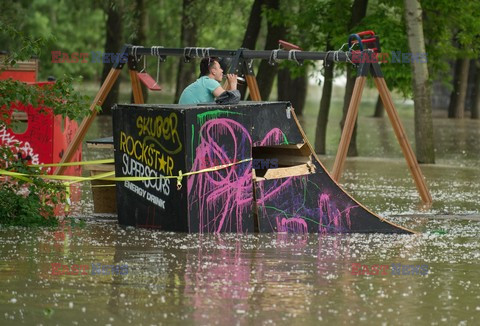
46,136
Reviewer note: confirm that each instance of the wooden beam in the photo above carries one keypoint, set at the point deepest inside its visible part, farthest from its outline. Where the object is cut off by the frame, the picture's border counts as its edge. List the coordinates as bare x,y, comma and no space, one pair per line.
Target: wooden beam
136,87
402,140
253,87
348,127
87,121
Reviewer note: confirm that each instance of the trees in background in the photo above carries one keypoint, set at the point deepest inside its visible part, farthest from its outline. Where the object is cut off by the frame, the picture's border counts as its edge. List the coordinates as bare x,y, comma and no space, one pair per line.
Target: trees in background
421,86
476,92
258,24
456,108
322,119
276,30
252,31
188,38
451,43
357,13
139,34
114,11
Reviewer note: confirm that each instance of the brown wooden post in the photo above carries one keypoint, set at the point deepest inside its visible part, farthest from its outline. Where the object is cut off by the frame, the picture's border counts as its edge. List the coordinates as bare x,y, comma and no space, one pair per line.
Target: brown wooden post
402,140
253,87
348,127
136,87
87,121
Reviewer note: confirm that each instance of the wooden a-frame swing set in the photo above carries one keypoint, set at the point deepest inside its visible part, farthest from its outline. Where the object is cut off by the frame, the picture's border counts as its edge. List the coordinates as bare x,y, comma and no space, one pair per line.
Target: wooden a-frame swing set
242,64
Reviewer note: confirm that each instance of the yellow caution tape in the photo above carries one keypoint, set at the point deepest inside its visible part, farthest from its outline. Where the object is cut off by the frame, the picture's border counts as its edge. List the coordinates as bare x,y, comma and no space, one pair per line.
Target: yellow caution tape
106,161
105,176
108,175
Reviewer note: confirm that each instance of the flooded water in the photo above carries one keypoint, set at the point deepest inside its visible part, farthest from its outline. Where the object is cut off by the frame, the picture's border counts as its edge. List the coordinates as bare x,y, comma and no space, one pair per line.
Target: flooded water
269,279
181,279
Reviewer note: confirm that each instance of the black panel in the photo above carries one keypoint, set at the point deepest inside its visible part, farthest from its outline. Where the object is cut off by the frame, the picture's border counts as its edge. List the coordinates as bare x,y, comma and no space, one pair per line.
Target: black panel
273,124
150,142
313,203
222,200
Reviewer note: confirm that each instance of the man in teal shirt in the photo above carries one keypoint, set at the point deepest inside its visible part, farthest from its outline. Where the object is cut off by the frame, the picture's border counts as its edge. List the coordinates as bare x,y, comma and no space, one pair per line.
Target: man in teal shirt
207,87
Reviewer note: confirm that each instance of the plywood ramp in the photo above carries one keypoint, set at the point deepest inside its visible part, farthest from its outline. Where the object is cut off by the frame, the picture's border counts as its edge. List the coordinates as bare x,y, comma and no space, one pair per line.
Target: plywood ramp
305,198
250,168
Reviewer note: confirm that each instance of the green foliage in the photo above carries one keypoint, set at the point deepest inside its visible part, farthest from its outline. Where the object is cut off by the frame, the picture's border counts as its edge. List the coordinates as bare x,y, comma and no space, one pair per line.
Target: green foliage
65,26
31,200
386,19
26,201
60,96
215,23
451,31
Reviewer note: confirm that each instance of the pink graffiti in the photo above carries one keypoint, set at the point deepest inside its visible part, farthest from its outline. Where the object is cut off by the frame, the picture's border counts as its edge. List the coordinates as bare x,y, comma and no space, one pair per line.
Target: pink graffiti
273,137
330,217
265,196
291,225
223,196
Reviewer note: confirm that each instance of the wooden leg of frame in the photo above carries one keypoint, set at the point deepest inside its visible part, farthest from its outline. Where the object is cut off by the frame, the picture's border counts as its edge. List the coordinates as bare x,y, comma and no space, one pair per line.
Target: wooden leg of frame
136,88
87,121
253,87
402,140
348,128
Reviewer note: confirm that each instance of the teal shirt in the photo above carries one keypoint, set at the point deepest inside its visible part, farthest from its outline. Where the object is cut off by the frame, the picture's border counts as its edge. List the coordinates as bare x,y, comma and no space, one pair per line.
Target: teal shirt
201,91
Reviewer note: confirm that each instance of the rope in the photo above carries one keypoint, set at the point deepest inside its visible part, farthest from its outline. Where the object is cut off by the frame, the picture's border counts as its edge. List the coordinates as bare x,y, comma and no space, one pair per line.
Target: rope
156,51
134,50
206,52
187,57
336,55
134,53
293,56
199,53
273,57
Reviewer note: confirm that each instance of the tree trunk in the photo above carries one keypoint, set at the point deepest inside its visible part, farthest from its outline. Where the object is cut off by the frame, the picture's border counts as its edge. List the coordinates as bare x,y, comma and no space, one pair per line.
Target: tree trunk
113,44
251,34
186,71
476,97
293,89
358,10
322,119
267,72
454,93
379,109
140,23
253,27
456,109
421,87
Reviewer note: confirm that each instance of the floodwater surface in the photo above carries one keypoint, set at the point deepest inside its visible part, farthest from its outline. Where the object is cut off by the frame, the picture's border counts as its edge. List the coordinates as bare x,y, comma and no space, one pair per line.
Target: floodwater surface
162,278
267,279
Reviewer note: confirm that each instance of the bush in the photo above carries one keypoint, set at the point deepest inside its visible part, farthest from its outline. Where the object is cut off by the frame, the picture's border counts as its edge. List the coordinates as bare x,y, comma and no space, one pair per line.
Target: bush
31,200
26,201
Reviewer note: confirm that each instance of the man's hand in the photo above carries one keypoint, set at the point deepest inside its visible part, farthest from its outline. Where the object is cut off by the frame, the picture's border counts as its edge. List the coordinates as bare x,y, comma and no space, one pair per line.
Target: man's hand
232,81
230,85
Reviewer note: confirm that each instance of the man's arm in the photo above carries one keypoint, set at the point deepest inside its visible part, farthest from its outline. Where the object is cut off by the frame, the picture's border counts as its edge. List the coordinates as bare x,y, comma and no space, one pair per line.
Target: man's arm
219,90
232,84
